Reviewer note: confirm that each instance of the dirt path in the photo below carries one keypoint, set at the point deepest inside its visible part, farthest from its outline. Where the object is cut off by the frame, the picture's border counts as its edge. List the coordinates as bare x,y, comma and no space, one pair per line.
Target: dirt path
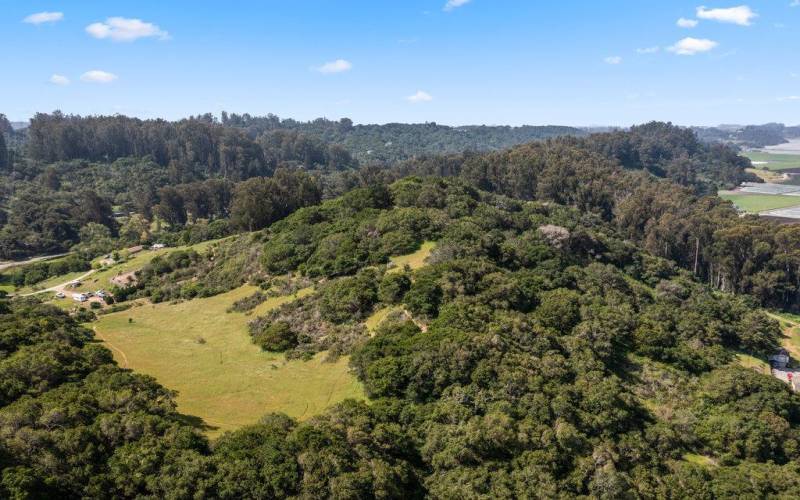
62,286
113,347
9,264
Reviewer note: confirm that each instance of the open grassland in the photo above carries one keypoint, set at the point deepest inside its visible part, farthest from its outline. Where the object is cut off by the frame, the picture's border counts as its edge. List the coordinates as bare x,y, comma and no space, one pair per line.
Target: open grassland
755,203
204,353
774,161
413,260
378,316
753,363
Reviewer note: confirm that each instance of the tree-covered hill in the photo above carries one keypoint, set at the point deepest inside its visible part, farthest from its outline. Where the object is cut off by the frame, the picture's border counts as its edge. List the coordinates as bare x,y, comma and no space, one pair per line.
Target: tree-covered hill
538,354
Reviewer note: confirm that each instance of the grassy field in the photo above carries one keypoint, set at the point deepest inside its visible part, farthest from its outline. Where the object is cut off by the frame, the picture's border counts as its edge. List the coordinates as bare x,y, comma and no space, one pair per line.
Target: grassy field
204,353
790,324
754,363
414,260
775,161
755,203
378,316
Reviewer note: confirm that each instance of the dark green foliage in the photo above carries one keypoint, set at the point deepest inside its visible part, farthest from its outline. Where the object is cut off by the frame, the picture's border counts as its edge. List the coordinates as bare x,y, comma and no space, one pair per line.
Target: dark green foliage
40,271
393,287
349,299
276,337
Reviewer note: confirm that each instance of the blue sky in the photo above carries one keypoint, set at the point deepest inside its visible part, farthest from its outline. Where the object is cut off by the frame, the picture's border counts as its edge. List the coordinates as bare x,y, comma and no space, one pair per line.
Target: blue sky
611,62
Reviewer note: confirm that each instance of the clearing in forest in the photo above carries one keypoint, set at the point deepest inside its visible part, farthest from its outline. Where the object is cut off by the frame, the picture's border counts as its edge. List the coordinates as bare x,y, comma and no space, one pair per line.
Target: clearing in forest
414,260
755,203
774,161
205,354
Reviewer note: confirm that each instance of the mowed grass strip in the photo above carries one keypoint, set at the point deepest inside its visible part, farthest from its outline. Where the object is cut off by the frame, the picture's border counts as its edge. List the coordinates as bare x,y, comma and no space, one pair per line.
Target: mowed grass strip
755,203
775,161
206,355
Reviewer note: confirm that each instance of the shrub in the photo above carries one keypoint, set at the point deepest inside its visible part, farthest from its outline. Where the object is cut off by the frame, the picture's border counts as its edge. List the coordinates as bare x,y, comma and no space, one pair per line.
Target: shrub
276,337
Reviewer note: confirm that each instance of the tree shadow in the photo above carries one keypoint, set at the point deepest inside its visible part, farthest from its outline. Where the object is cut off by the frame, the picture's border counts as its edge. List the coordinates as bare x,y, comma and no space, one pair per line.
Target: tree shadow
196,422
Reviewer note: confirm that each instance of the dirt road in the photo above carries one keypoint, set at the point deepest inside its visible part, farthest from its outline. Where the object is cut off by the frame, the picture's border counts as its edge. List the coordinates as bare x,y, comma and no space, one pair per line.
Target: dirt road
9,264
61,287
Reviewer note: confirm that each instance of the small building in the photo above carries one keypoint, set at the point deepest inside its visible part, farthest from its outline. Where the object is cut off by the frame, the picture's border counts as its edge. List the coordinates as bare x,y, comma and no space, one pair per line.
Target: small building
80,297
136,249
780,360
158,246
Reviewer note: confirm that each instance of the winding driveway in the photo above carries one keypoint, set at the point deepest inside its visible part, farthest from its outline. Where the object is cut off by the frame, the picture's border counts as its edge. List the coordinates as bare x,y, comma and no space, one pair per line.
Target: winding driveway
62,286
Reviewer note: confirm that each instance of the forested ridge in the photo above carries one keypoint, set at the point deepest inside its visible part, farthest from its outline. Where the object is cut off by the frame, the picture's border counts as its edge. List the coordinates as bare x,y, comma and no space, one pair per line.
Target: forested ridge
540,353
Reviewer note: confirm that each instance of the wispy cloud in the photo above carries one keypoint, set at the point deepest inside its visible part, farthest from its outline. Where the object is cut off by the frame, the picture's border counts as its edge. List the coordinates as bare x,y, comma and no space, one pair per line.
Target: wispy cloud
741,15
790,98
121,29
795,3
454,4
420,96
44,17
686,23
648,50
337,66
57,79
691,46
613,60
98,76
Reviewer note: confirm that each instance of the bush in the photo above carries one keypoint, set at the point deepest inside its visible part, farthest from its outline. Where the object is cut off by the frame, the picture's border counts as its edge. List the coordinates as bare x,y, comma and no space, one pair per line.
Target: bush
349,299
276,337
393,287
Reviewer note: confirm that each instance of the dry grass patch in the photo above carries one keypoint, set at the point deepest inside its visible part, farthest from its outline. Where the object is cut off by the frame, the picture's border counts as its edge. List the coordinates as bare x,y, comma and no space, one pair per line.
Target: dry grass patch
205,354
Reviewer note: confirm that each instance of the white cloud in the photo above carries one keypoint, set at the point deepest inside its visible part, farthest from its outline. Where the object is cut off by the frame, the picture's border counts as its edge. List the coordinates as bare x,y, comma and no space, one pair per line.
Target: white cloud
121,29
795,3
420,96
98,76
454,4
790,98
337,66
691,46
613,60
741,15
57,79
648,50
44,17
686,23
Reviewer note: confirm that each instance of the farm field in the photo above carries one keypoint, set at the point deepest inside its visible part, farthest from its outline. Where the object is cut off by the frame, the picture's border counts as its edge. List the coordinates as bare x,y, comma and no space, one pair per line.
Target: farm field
206,355
774,161
755,203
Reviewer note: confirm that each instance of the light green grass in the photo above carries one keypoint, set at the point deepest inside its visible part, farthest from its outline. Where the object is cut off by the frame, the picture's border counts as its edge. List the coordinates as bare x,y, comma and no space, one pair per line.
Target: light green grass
754,363
776,161
755,203
224,379
378,316
414,260
701,460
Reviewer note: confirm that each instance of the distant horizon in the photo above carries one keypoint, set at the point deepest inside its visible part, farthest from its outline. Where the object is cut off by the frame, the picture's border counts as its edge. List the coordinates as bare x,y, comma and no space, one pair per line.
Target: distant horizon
513,62
452,125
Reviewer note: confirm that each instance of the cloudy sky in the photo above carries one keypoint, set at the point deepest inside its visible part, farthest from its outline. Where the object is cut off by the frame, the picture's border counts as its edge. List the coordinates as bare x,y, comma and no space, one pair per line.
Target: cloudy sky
572,62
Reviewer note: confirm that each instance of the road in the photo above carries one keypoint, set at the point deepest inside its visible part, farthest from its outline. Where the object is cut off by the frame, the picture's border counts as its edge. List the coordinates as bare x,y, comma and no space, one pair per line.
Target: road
61,287
9,264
